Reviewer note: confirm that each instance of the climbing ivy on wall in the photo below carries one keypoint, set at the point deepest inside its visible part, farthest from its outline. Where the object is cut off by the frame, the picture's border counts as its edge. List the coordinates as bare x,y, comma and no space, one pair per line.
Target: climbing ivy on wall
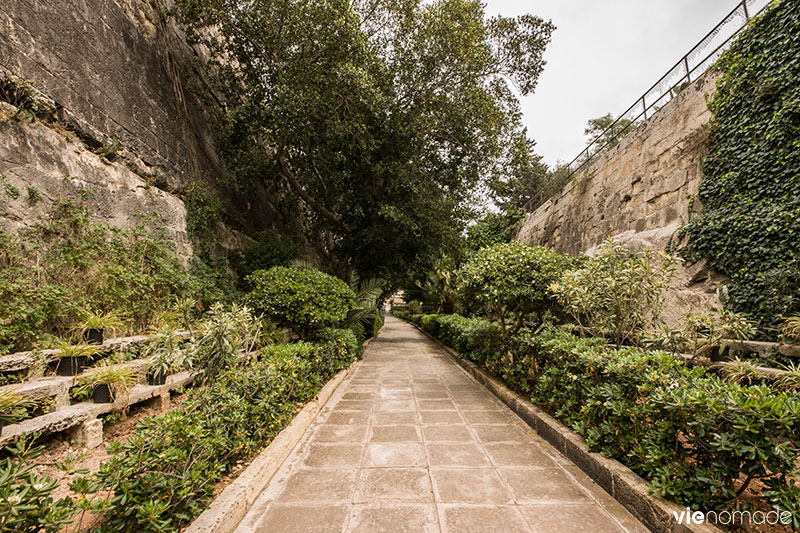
749,228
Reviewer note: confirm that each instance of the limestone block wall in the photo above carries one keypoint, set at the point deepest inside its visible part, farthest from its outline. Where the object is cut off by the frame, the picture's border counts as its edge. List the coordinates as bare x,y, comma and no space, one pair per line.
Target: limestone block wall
640,188
639,192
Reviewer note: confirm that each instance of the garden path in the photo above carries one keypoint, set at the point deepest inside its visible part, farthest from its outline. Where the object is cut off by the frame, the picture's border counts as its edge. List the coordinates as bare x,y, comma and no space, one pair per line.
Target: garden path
409,442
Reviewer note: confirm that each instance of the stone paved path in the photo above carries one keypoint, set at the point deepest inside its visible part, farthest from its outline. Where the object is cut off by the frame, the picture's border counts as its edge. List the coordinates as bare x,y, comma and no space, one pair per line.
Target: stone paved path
411,443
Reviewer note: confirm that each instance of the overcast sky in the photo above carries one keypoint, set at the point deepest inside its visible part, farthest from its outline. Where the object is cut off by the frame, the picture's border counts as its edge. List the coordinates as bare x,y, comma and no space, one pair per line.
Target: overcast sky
604,55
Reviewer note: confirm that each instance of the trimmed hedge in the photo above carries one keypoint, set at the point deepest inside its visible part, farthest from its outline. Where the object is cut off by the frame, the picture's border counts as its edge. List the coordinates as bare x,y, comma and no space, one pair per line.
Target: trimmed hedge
303,299
692,435
165,476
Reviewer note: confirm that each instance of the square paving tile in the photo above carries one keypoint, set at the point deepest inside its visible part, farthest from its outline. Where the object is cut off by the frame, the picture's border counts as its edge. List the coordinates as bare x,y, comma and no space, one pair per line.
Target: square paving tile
388,418
432,394
395,434
348,418
383,454
446,433
393,484
487,417
440,417
334,456
484,518
436,405
353,405
303,518
358,396
586,518
469,485
331,433
464,454
498,433
315,485
393,518
395,395
529,455
395,405
542,485
482,404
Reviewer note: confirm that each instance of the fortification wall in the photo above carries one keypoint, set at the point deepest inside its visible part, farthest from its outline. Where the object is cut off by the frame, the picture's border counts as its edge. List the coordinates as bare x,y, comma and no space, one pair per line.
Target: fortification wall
638,192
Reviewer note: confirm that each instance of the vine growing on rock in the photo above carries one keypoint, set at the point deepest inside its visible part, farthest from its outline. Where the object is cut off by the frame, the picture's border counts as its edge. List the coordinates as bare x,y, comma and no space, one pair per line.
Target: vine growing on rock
750,225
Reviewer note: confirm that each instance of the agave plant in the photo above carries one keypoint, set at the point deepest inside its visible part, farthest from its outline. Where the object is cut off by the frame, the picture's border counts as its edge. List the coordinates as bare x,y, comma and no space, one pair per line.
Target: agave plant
92,319
790,380
790,332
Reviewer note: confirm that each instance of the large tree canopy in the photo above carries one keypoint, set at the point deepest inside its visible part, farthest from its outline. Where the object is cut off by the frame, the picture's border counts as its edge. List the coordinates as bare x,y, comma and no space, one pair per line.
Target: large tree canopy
384,116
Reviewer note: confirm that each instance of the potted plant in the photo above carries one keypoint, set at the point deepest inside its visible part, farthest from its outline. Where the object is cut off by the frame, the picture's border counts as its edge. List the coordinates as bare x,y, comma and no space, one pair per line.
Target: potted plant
13,407
94,323
110,382
74,358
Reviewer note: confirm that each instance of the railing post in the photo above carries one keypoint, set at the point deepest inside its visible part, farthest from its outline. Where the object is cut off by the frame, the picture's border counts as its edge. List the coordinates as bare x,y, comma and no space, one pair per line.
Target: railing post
746,13
644,108
686,66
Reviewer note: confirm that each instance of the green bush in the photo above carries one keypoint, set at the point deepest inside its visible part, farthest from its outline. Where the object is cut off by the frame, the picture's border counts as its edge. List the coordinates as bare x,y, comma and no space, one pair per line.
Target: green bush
164,476
617,293
303,299
511,282
375,323
691,434
358,331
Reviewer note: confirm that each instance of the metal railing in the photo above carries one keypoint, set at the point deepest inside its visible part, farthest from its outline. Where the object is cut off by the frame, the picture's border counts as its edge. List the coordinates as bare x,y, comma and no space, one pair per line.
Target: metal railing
690,67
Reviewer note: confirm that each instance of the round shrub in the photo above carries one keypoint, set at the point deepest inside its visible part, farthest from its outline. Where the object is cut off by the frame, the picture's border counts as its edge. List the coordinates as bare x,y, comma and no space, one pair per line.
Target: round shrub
510,282
303,299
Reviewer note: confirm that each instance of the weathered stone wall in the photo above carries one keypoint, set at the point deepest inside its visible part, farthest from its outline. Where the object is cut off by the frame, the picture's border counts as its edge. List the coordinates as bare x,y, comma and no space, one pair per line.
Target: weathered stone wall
118,68
642,186
34,156
638,192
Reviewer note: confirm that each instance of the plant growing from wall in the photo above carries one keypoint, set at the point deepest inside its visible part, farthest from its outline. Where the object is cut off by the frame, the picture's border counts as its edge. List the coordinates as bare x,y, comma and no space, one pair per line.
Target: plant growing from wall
67,262
511,282
617,294
749,227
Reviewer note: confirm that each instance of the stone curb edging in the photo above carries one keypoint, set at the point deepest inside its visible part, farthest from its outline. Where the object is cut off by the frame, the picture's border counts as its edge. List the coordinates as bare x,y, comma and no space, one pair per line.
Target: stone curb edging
232,504
624,485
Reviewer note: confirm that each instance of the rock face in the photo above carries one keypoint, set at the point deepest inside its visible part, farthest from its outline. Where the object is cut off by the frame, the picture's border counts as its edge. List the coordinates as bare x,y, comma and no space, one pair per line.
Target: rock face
36,157
118,69
639,192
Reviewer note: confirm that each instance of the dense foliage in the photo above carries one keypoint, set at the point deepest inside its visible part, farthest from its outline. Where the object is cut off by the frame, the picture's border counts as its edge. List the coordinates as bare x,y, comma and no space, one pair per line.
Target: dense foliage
749,228
263,254
303,299
165,475
494,228
511,282
66,262
382,116
695,437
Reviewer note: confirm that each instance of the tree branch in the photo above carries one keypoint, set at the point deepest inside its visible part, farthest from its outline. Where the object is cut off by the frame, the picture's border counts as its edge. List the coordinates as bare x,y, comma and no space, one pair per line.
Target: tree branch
287,173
